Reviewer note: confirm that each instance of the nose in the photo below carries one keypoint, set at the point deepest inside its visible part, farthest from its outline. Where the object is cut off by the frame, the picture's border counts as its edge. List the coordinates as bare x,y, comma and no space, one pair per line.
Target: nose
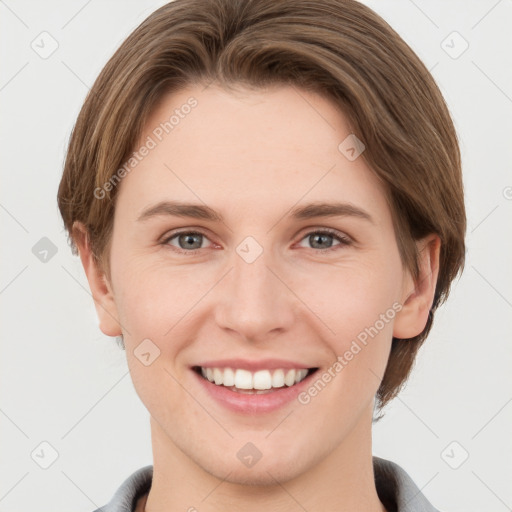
255,301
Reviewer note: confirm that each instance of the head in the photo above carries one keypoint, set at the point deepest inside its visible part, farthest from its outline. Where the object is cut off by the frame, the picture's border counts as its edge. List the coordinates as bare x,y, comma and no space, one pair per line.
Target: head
254,109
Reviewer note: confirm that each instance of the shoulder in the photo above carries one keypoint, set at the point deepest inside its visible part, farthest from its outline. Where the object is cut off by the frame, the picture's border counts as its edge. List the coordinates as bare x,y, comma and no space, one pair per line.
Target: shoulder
397,490
125,498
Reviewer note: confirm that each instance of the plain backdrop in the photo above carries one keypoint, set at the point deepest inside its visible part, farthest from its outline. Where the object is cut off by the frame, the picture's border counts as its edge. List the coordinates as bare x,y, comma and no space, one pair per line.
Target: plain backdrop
67,401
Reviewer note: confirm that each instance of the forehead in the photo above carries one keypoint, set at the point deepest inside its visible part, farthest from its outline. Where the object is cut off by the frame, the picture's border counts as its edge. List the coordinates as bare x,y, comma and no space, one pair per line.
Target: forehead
248,147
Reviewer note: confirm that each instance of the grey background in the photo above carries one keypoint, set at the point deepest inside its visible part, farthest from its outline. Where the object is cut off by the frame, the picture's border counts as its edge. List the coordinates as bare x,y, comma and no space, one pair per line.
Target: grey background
64,383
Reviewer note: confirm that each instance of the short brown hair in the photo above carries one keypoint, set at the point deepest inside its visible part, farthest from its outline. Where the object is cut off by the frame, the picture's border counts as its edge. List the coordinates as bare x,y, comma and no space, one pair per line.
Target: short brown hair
338,48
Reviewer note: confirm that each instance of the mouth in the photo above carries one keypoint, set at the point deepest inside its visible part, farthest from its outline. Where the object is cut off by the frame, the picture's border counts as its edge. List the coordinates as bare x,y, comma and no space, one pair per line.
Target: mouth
260,382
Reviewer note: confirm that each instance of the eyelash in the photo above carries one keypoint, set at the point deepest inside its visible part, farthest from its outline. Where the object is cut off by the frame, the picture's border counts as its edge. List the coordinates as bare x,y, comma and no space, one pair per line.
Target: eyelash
344,240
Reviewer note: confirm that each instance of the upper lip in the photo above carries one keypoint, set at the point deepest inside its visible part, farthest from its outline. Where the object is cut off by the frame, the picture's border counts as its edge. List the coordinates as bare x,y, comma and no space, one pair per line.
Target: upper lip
254,365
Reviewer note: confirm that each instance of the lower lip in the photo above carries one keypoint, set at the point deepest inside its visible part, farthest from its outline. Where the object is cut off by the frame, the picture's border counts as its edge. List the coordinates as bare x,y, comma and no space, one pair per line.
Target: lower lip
253,403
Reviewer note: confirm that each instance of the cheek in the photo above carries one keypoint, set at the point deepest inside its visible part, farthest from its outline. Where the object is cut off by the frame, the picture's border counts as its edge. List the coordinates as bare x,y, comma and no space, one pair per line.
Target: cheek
152,297
156,329
354,299
359,304
360,309
157,308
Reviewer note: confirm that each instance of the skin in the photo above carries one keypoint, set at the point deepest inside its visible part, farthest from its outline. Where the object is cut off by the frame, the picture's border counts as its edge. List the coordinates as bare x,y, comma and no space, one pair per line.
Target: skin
252,155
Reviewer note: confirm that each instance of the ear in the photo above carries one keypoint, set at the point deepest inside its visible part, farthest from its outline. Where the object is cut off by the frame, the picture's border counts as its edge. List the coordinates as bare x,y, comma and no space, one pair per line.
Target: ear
417,296
101,288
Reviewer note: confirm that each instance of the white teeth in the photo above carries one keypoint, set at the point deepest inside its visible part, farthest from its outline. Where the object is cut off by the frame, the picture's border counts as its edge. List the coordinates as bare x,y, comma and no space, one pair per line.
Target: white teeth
289,378
217,376
301,374
243,379
260,380
229,377
278,379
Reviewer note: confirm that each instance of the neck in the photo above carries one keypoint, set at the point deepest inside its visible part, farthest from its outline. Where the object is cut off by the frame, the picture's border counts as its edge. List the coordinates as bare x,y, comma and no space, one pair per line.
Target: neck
343,481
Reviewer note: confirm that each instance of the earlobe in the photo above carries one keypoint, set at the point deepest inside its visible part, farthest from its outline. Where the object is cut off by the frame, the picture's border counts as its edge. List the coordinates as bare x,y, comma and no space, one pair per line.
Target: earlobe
101,289
418,295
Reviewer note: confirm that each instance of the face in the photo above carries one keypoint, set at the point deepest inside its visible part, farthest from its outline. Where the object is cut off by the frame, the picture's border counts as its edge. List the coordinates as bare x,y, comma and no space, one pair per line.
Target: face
257,294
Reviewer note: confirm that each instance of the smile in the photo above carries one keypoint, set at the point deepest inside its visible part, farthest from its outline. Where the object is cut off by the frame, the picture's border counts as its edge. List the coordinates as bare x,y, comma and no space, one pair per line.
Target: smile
259,382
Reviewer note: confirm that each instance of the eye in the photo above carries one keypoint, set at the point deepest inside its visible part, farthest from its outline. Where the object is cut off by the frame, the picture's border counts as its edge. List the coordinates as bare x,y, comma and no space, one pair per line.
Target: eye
322,237
189,242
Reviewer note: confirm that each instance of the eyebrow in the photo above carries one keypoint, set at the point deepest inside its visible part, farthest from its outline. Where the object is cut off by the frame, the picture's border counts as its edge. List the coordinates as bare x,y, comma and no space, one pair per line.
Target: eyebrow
199,211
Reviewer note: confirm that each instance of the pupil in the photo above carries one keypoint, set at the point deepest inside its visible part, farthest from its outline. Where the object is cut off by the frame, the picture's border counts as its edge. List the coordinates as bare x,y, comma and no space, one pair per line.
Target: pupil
190,239
320,236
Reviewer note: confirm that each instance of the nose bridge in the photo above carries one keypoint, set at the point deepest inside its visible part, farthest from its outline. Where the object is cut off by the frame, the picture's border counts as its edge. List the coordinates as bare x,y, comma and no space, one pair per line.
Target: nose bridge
255,300
250,273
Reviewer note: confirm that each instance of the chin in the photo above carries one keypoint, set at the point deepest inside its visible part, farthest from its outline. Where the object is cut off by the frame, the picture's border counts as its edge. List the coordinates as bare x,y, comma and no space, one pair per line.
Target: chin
270,475
271,469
